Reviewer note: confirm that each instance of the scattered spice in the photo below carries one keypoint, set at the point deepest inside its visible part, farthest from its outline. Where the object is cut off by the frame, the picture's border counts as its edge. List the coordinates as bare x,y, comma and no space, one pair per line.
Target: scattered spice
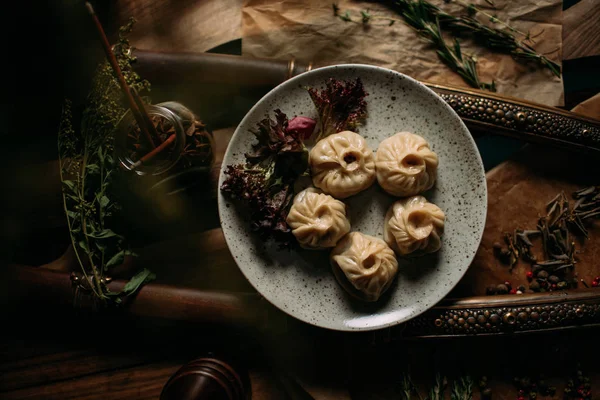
556,230
578,387
532,387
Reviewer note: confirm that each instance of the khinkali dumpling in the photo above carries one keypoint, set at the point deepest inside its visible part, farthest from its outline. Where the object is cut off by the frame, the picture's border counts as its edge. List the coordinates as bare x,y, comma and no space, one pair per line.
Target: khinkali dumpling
342,164
317,219
364,265
405,165
413,226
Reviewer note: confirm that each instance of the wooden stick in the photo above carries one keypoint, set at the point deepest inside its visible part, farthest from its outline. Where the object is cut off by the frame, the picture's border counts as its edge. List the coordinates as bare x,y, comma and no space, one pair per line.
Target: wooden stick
154,152
137,112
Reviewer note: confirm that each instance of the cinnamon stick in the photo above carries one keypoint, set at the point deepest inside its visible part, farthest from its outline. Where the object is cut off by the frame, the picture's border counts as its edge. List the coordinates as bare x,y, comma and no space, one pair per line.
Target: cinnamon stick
137,112
154,152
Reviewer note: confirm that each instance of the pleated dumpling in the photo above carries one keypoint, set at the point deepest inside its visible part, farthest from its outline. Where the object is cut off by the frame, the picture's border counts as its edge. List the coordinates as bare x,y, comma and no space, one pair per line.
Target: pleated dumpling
342,164
413,226
406,166
317,220
364,265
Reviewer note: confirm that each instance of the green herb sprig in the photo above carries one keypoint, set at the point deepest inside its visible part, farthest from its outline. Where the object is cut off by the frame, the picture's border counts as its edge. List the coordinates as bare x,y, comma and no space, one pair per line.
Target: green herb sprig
430,22
87,169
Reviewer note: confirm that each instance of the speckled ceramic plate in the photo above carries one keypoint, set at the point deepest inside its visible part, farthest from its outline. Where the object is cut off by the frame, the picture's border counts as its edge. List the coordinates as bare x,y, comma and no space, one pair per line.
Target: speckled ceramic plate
301,283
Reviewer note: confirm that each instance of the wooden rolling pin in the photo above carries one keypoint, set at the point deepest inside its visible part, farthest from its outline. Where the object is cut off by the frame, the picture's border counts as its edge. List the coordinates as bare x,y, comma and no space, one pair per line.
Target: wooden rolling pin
222,88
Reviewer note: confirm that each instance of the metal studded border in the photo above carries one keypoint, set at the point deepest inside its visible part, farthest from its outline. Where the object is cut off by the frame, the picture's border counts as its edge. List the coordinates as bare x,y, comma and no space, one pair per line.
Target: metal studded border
522,119
495,320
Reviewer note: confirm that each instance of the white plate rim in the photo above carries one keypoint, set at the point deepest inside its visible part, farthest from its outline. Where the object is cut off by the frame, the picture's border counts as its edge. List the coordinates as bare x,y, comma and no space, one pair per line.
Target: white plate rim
436,97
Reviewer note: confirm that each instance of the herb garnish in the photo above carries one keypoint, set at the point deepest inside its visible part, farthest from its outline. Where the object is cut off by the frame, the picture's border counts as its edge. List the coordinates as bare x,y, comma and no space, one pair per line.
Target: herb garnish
341,105
266,182
87,169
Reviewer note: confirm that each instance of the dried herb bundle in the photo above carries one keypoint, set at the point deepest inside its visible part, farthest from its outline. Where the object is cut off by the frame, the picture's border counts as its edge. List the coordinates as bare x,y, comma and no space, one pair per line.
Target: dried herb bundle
431,22
87,170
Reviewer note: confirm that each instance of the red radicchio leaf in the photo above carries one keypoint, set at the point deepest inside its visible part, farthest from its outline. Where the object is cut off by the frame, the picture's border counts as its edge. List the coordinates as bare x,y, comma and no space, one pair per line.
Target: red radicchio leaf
341,105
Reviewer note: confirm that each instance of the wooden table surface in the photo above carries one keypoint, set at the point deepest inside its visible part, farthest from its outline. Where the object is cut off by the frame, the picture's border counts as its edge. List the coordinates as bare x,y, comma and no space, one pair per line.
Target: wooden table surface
51,354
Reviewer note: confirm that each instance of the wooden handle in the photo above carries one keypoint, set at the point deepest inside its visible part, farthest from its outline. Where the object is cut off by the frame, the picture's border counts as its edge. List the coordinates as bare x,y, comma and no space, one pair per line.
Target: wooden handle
29,285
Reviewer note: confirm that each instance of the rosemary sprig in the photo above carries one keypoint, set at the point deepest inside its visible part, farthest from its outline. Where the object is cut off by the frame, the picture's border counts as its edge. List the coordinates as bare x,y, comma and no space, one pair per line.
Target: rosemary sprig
430,22
423,17
495,39
87,169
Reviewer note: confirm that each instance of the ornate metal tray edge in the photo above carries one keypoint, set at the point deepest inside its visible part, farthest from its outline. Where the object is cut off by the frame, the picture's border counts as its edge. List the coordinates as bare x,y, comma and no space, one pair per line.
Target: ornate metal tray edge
506,314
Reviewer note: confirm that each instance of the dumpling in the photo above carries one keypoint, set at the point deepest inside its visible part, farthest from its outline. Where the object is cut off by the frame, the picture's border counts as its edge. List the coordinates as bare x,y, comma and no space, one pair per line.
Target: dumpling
364,265
342,164
413,226
405,165
317,220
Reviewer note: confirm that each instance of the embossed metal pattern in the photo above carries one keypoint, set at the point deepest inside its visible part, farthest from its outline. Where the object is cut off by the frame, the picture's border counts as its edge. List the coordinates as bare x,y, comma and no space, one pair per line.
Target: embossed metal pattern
503,319
521,118
524,119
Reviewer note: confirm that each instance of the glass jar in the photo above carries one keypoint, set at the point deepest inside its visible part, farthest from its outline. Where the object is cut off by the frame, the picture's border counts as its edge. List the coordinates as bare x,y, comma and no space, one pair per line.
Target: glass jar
131,146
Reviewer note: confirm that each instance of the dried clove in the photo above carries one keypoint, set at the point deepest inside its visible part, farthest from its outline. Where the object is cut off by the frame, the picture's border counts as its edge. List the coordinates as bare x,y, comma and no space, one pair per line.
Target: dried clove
555,229
585,191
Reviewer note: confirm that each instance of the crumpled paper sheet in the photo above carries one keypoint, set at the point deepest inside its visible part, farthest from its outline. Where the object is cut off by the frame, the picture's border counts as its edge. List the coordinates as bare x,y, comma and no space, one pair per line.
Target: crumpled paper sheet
308,31
589,108
184,25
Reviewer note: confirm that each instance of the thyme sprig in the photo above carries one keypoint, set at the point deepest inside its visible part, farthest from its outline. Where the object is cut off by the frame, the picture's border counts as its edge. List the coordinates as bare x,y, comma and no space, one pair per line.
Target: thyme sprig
431,22
87,170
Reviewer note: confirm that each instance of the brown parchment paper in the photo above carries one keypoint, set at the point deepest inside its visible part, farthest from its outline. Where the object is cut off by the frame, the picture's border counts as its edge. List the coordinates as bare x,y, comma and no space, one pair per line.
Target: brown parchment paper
308,31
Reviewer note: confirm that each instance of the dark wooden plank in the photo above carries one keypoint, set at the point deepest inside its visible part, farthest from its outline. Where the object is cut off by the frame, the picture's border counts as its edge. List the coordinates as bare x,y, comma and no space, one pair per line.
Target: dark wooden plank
142,382
581,30
43,370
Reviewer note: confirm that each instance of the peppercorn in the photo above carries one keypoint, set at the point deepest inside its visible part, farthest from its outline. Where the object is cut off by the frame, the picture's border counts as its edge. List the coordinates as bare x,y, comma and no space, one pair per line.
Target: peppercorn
542,274
529,275
553,279
512,291
490,290
534,285
595,284
562,285
501,289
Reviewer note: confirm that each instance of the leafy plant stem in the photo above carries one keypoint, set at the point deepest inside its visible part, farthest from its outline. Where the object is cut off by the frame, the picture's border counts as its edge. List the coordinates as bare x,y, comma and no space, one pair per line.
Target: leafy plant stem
492,17
61,166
